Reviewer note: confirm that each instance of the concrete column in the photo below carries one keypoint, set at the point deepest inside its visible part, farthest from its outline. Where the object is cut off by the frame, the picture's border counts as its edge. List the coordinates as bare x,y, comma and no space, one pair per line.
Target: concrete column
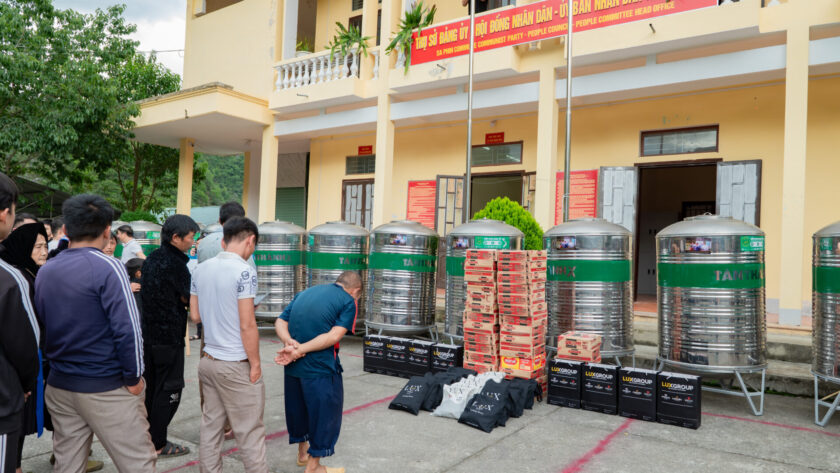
268,176
370,11
547,119
246,181
383,185
793,176
185,176
290,21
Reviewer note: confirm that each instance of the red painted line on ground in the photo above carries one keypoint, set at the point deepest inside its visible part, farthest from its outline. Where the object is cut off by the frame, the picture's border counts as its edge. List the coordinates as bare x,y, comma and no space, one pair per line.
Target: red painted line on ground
283,433
350,354
273,341
599,449
773,424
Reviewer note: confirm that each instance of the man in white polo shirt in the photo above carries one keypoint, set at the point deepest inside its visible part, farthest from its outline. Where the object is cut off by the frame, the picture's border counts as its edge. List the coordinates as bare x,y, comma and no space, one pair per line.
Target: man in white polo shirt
131,248
222,298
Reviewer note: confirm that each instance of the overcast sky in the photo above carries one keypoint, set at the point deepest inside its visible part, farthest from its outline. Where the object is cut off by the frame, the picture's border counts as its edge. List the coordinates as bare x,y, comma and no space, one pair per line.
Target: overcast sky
160,24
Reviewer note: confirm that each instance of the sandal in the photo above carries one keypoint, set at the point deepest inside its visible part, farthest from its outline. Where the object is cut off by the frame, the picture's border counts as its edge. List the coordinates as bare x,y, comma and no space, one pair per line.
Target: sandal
171,450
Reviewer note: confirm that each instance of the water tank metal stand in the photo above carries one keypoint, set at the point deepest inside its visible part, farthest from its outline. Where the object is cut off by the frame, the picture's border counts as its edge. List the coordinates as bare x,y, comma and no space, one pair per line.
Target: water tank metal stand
432,329
747,390
832,406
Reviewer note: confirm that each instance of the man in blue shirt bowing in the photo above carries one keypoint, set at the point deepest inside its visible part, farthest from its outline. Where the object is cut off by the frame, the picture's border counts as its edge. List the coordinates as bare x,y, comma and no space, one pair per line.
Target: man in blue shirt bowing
311,328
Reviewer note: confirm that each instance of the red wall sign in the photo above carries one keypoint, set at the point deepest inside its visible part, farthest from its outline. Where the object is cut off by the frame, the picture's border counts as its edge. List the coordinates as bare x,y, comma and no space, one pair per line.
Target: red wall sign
583,195
365,150
421,202
547,19
494,138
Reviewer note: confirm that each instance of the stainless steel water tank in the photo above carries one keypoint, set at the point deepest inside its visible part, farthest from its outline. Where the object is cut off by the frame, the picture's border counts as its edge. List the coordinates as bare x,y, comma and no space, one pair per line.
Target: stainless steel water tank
826,302
147,234
401,271
590,282
280,266
483,233
710,274
335,247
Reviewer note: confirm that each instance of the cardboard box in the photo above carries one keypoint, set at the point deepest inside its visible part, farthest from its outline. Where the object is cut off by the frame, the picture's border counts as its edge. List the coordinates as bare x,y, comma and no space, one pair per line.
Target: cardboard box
517,350
373,353
446,356
537,276
396,356
519,266
523,310
506,277
580,355
586,359
522,288
521,331
485,348
481,308
678,399
480,367
419,360
564,383
538,265
535,338
537,255
600,388
484,298
512,255
579,340
484,358
481,288
474,275
480,264
528,368
481,318
481,327
473,253
487,338
526,298
637,394
531,320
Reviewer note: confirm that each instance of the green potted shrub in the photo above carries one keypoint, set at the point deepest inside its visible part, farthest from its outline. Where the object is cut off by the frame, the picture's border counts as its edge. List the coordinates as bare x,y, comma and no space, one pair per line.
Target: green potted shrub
304,47
347,39
416,18
510,212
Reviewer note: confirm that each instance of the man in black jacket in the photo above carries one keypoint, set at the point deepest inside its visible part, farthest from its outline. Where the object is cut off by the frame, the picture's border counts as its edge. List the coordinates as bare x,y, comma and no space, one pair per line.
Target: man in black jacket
165,295
19,335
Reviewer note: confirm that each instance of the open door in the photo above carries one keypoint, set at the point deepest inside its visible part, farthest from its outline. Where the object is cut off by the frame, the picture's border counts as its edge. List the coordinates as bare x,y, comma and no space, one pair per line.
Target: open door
617,194
739,190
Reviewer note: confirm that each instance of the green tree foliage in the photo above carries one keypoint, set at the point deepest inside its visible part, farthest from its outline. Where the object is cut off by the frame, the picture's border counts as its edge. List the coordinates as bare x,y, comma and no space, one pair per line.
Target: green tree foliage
133,215
510,212
223,180
60,112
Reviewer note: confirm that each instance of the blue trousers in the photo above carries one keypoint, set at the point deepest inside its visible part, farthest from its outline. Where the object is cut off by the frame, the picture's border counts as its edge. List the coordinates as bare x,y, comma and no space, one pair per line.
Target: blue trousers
313,412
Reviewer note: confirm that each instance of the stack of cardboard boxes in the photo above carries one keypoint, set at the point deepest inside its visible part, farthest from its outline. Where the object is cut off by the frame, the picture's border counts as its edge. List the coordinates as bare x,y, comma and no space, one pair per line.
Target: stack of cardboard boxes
579,346
481,313
521,281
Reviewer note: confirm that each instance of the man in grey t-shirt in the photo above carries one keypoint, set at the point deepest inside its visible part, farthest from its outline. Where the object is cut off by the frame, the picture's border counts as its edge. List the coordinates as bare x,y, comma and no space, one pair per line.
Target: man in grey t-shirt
131,249
211,245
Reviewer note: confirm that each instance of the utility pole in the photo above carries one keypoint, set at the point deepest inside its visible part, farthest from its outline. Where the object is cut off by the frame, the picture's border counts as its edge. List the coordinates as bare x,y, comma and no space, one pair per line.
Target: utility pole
566,164
468,176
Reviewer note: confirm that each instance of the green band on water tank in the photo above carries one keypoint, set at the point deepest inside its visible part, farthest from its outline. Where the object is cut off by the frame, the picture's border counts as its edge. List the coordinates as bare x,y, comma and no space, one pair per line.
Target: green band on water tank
712,275
826,280
278,258
572,270
455,265
397,262
344,261
147,249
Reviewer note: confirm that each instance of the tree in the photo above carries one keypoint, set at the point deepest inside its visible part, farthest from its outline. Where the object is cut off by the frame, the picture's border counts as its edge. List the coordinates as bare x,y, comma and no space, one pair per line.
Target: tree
60,112
510,212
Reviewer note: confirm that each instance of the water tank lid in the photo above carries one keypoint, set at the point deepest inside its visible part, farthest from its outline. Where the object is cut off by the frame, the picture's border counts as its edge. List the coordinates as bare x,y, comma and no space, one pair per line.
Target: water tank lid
340,228
832,230
486,226
117,224
281,228
709,225
405,227
587,226
144,226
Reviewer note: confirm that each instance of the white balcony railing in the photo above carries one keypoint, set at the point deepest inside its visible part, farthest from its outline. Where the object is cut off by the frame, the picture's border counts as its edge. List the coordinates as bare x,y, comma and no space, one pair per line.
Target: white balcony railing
319,67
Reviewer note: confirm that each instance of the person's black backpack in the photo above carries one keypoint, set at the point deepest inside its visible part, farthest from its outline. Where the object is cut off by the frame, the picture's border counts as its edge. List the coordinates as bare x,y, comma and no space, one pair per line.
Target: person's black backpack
411,398
488,408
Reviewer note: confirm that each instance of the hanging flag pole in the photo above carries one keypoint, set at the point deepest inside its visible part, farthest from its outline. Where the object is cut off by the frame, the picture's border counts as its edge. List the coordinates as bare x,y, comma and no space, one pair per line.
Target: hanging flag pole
468,176
566,163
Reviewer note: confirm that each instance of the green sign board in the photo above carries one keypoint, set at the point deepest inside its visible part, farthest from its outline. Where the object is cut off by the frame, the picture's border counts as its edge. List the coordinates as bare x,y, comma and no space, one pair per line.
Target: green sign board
491,242
752,243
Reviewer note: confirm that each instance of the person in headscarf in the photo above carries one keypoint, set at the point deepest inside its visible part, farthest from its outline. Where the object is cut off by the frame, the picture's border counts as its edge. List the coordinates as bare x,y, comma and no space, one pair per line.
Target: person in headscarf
26,249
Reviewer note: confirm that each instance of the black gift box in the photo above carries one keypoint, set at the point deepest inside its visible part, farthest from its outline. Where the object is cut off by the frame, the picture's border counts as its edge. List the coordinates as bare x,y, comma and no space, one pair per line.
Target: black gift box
678,399
564,383
446,356
419,360
637,394
600,388
373,353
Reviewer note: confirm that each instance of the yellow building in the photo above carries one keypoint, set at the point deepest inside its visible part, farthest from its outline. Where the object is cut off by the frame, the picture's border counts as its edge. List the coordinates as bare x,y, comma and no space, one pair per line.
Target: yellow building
733,109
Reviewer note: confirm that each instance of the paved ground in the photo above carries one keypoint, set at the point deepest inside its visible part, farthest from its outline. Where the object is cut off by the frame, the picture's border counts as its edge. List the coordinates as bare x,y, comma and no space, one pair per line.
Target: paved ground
547,439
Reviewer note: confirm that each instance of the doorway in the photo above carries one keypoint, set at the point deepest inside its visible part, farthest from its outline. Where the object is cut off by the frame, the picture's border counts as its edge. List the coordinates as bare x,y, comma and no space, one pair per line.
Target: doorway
357,202
486,187
668,193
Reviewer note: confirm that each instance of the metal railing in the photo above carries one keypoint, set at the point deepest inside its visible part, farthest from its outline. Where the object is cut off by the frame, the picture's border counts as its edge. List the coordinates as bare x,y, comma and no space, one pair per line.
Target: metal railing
319,67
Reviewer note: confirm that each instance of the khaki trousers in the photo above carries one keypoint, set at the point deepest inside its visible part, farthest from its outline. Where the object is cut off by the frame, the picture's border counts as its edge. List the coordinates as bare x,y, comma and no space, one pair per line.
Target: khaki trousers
118,418
229,394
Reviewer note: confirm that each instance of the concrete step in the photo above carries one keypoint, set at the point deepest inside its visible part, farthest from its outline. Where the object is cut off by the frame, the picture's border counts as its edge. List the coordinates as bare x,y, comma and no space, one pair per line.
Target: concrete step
794,348
782,376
